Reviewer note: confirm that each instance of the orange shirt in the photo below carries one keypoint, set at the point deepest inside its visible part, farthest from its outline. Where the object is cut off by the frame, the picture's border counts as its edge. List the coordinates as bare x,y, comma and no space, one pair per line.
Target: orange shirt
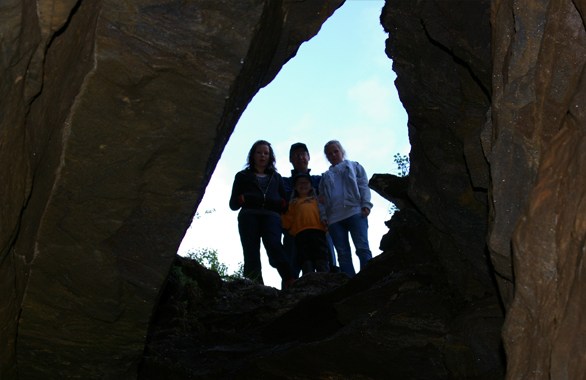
302,214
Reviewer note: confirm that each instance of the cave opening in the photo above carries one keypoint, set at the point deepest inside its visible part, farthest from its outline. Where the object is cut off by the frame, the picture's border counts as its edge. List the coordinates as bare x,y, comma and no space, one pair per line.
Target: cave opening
340,85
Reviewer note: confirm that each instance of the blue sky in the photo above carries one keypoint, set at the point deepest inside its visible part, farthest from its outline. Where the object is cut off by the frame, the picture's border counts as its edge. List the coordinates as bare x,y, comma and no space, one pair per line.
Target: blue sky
340,85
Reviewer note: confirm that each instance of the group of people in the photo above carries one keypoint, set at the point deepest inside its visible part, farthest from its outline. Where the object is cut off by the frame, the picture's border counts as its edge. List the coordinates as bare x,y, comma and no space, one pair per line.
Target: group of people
313,213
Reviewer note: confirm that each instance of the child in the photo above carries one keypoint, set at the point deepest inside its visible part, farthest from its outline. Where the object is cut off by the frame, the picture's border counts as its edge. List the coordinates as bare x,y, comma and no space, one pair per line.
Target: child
302,220
346,198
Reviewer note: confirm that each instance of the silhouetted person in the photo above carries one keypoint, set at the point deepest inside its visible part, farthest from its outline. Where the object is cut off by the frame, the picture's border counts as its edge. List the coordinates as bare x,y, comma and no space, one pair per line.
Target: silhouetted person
299,158
302,220
346,196
259,192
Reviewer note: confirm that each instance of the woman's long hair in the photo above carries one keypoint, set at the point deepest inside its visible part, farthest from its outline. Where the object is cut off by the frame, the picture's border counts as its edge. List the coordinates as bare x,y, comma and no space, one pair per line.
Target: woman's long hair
272,160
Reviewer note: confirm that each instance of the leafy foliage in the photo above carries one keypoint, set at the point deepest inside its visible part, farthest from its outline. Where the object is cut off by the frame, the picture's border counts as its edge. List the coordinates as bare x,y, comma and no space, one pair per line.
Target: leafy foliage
208,257
403,164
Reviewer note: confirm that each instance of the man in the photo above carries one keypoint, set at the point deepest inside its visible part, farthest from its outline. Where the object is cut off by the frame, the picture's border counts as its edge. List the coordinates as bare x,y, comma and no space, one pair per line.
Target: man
299,158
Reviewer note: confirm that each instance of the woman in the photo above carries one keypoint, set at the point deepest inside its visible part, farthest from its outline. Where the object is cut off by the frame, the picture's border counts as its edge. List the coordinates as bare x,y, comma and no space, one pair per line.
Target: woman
258,190
346,196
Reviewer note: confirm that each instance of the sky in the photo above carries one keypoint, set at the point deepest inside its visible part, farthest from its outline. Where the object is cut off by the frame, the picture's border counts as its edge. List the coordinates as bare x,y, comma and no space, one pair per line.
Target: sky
340,86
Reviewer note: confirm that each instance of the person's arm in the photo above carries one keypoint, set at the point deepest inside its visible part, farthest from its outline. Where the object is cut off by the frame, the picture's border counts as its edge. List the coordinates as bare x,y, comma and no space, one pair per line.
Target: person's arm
245,193
321,199
363,189
237,198
288,185
322,211
283,194
287,218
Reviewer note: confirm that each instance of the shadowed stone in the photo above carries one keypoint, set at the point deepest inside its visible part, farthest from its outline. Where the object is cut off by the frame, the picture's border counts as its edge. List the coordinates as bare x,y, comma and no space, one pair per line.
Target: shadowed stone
115,113
118,113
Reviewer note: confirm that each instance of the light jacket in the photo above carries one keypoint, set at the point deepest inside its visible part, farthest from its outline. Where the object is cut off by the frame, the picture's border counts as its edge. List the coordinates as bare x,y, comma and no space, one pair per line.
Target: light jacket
356,191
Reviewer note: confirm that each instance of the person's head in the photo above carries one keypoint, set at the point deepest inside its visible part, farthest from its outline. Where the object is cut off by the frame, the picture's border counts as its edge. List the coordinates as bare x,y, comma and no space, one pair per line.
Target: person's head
334,152
299,157
261,157
302,185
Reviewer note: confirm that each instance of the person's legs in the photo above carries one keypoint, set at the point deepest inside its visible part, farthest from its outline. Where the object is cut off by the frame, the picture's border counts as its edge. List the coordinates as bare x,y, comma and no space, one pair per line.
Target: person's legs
249,228
271,237
302,246
339,234
358,226
312,248
331,255
291,253
318,250
322,266
307,267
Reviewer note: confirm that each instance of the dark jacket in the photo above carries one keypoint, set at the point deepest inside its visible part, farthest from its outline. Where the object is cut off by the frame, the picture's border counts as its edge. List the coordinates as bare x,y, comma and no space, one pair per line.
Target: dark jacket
247,193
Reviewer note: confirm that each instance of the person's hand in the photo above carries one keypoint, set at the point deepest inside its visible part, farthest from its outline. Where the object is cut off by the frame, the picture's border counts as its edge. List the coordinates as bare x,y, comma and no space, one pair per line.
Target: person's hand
365,211
241,199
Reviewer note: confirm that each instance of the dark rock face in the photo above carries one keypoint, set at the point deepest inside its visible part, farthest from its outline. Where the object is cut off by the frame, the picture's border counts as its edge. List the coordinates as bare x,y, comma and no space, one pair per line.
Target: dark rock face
538,153
443,79
396,319
104,104
428,306
114,114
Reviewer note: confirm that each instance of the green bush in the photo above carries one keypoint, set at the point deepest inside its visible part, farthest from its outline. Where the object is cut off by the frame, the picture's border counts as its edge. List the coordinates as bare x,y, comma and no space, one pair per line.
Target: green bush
208,257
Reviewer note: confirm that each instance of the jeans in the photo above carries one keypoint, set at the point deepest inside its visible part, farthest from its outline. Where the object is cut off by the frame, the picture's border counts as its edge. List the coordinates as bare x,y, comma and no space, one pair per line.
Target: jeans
312,250
357,226
266,227
291,253
332,254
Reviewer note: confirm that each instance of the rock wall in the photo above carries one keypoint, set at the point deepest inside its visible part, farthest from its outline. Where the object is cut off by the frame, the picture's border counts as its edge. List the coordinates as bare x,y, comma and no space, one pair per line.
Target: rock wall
537,167
532,138
443,79
114,114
